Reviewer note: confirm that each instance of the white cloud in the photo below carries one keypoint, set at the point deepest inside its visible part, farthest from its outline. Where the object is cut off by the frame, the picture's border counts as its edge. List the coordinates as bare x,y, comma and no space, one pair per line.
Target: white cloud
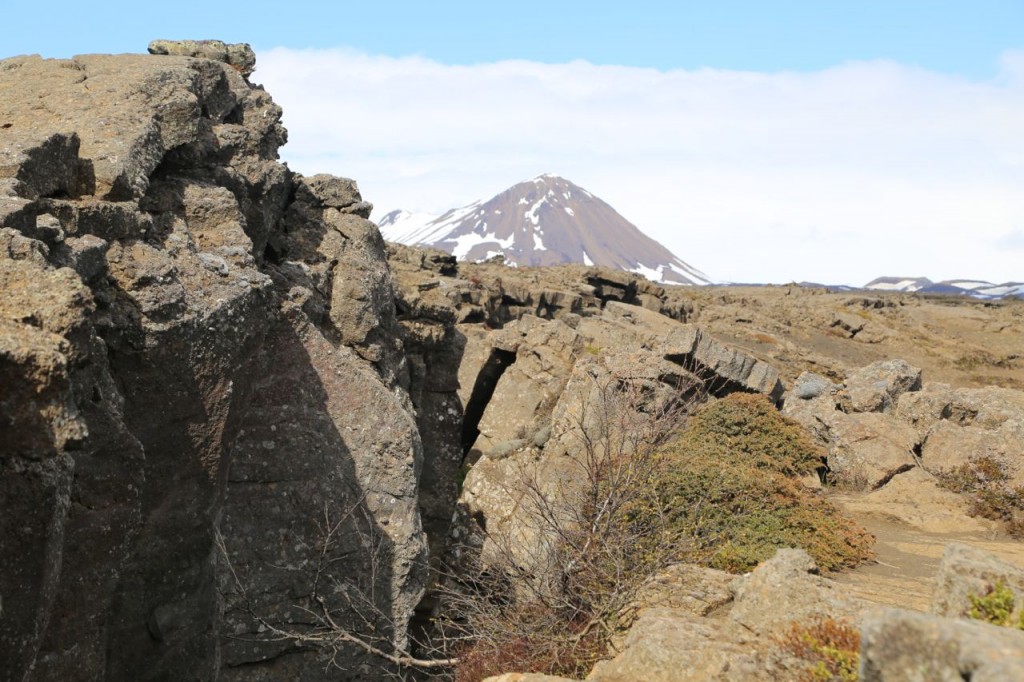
841,175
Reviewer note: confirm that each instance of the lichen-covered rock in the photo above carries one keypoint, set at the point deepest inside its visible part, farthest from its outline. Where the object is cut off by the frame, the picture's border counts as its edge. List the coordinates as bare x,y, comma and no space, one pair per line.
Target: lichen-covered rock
878,386
667,645
810,385
967,572
903,646
238,55
722,365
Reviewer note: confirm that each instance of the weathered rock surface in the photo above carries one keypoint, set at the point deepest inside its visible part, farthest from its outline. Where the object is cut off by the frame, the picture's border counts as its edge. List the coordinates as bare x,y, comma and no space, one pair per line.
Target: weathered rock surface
958,425
903,646
810,385
667,645
967,572
686,587
535,348
788,578
206,398
877,387
865,449
678,642
238,55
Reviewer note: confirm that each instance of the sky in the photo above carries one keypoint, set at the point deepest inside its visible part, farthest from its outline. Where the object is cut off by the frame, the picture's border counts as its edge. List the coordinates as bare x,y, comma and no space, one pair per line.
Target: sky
761,141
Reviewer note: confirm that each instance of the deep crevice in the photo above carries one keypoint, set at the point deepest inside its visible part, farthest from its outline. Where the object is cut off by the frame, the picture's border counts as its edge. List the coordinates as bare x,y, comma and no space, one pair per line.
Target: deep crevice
711,383
884,480
483,389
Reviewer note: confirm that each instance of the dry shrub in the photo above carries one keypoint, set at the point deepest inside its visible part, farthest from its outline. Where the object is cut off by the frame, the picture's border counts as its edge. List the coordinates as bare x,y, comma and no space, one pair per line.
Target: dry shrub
830,648
650,491
550,604
766,338
986,483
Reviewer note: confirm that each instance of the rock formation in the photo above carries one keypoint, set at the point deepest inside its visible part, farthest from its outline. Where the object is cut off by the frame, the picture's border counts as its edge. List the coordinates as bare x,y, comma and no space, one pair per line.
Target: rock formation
223,420
234,421
203,375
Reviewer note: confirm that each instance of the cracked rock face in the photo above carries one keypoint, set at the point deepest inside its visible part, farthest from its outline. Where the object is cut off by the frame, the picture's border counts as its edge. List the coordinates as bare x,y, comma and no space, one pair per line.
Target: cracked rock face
204,389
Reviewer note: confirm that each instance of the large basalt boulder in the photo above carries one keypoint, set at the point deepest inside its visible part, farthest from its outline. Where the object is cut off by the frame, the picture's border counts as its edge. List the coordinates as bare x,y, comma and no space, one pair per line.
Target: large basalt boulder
194,344
667,645
958,425
865,449
726,368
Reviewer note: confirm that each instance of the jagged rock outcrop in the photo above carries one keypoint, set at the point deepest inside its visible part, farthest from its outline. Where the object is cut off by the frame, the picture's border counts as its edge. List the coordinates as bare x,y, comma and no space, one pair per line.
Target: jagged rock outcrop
884,421
790,578
196,342
206,399
537,346
958,425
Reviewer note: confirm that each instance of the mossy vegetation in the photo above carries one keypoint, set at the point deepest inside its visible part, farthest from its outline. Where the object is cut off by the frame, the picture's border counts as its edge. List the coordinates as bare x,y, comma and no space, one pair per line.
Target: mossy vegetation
730,488
996,607
830,649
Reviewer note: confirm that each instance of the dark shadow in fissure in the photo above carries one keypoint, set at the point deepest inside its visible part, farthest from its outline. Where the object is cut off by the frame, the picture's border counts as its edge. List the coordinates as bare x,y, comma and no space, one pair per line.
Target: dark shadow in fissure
483,389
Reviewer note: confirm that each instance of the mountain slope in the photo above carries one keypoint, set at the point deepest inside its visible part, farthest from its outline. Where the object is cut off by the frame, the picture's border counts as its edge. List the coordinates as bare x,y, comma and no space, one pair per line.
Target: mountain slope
543,221
964,287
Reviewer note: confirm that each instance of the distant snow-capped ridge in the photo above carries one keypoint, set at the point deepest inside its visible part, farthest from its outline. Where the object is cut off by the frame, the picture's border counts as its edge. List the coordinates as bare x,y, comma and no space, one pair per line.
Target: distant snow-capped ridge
963,287
544,221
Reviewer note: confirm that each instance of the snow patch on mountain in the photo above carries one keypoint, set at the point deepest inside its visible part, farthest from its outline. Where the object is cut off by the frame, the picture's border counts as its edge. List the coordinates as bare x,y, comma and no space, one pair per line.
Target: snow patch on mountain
543,221
958,287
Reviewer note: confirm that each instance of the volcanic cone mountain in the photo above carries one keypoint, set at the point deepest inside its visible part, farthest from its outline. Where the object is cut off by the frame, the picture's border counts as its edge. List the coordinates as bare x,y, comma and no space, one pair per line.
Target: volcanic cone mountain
543,221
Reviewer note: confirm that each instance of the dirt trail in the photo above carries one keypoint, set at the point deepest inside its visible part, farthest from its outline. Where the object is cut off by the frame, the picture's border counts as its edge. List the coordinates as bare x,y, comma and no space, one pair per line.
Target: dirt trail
908,557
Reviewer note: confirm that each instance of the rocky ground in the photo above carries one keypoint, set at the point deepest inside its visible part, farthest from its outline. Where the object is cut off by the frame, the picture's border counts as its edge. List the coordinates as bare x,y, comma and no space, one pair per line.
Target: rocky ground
888,426
954,340
239,432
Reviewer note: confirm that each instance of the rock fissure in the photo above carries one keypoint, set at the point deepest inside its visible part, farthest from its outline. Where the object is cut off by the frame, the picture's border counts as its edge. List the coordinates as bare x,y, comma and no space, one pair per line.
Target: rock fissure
227,403
483,390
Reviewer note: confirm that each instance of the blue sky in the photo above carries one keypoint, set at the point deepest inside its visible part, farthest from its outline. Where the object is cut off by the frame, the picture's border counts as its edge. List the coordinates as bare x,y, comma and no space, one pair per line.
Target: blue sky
760,141
951,36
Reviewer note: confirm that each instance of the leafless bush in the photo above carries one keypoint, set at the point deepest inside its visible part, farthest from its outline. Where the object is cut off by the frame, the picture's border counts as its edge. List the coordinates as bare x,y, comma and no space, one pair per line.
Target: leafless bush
550,591
339,611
